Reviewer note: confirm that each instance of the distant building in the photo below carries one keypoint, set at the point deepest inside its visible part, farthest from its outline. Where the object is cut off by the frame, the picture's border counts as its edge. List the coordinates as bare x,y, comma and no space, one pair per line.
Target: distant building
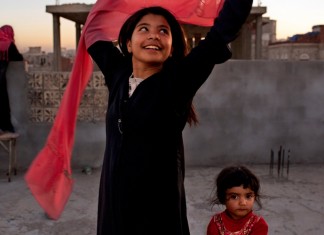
269,36
308,46
38,60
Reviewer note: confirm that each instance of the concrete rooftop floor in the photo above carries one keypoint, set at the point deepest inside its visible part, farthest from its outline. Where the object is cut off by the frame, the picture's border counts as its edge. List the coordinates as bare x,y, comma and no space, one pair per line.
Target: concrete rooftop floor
292,205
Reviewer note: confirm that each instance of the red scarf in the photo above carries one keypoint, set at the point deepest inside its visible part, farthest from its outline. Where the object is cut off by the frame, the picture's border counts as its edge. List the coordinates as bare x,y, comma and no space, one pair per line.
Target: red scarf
6,38
49,176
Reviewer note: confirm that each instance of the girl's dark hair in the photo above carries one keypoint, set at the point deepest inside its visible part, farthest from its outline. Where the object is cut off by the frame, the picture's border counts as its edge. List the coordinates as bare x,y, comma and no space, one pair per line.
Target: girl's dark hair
179,41
235,176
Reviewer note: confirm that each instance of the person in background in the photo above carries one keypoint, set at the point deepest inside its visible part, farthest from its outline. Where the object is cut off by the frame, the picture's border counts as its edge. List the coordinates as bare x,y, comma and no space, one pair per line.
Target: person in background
238,189
8,52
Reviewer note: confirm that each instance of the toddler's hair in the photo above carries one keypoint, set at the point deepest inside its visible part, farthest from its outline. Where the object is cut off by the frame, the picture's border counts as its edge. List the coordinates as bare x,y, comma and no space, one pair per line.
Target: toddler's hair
235,176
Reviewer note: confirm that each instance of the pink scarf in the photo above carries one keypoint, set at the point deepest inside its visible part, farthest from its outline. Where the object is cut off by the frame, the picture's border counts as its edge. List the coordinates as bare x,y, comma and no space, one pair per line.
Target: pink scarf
6,38
49,176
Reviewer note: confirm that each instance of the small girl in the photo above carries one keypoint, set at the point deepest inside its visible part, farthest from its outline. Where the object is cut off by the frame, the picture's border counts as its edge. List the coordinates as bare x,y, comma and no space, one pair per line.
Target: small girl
237,189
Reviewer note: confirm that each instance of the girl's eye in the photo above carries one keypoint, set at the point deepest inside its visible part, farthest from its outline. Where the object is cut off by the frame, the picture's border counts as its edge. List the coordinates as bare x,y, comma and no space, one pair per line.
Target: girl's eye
234,197
164,31
143,29
250,196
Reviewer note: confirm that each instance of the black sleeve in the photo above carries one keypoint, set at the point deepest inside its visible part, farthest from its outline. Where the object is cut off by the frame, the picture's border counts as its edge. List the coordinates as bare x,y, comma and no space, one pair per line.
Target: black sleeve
231,18
13,53
225,29
197,66
107,57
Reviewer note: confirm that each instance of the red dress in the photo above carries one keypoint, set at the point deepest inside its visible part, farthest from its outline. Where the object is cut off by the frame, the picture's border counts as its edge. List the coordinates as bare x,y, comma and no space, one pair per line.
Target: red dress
251,224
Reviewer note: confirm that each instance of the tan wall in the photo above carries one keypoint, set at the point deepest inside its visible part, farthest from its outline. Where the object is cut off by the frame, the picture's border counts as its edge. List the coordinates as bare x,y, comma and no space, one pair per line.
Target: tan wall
295,51
246,108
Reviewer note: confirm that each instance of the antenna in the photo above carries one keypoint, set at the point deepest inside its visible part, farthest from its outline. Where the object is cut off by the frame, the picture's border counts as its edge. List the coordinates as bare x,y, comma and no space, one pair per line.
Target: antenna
57,2
259,3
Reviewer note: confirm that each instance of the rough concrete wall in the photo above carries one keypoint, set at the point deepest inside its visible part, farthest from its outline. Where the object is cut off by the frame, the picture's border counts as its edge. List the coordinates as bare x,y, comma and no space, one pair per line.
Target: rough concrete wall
89,137
246,108
17,84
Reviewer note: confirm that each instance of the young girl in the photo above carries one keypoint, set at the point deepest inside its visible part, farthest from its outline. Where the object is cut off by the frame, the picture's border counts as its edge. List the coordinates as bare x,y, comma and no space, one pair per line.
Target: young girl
152,81
237,189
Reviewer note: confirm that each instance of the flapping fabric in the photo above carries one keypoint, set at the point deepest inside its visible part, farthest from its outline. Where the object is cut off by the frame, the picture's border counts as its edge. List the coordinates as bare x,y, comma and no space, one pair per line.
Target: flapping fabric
107,16
50,176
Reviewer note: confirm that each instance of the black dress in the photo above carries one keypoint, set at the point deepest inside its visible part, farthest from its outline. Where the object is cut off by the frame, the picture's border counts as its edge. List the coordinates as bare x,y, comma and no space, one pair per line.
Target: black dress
142,182
5,119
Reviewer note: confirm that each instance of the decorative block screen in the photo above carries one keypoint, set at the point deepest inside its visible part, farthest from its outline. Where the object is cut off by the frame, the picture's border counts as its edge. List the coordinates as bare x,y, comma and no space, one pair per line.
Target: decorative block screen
45,91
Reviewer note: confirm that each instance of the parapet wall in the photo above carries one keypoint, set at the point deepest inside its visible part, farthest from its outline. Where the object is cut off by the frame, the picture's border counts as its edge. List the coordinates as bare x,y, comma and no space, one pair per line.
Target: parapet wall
246,108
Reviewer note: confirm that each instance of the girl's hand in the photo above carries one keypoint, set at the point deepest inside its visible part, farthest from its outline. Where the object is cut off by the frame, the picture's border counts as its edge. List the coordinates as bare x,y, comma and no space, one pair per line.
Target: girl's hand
231,18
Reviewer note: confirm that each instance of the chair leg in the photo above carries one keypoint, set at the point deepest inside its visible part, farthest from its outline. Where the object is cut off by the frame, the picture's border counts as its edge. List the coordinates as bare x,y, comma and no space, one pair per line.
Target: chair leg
14,156
11,149
10,160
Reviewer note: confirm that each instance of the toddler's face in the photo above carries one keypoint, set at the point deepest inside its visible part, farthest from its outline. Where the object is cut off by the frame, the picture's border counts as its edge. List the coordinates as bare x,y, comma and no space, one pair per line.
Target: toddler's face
239,201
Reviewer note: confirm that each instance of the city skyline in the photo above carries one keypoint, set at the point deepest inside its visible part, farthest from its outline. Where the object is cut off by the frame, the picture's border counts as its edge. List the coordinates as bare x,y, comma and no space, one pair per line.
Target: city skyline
33,25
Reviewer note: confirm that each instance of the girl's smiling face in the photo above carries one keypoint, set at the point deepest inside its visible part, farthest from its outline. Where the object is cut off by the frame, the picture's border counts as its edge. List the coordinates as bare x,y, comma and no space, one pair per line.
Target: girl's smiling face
239,201
151,42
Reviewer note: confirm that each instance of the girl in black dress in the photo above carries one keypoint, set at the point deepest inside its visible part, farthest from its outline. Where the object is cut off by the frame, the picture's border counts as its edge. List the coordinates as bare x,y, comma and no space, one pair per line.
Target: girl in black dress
152,80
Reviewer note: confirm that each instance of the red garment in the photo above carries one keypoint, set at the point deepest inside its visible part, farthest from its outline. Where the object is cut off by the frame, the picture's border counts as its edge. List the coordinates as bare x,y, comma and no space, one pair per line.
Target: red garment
6,38
251,224
49,176
113,13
